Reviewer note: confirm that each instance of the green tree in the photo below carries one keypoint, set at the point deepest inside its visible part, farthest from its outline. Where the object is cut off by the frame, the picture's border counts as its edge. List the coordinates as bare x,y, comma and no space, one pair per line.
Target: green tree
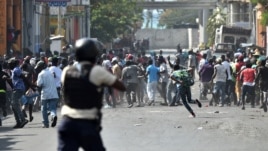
171,17
264,3
217,19
112,18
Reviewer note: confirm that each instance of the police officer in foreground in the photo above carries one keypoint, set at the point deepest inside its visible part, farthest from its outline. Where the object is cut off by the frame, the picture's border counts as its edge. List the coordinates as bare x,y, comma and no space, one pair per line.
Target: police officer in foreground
83,91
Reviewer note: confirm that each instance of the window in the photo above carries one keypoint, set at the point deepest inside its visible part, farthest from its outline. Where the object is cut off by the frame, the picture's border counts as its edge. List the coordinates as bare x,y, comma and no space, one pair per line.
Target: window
229,39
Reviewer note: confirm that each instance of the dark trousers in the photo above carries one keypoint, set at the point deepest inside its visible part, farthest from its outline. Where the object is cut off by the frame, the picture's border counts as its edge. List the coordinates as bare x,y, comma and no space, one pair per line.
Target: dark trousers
230,92
75,133
3,102
16,107
131,89
250,92
186,97
3,99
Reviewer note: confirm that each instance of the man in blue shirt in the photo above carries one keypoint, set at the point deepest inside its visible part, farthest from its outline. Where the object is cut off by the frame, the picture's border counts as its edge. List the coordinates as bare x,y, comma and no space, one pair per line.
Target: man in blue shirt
152,72
18,92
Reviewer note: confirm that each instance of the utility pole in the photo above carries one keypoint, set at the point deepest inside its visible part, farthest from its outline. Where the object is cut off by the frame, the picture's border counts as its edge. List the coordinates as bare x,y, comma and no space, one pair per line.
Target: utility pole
59,20
86,4
86,20
44,26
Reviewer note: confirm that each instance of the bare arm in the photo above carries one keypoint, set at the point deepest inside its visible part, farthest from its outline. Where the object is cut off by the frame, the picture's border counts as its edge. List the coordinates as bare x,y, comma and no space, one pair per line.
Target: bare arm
174,79
214,74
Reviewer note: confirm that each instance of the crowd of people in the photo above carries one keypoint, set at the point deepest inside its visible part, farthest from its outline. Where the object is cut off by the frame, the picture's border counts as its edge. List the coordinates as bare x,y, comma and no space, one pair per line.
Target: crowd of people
31,84
237,80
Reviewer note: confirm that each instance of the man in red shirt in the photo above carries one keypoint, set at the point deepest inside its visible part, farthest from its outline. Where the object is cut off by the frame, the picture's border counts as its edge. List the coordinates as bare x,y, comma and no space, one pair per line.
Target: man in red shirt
247,77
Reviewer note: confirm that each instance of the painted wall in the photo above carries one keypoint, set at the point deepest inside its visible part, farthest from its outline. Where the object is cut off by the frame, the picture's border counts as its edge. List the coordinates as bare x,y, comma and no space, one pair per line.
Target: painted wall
169,38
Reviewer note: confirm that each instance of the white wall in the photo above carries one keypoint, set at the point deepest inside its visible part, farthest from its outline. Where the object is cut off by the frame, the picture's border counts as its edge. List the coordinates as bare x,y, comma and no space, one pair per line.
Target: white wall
169,38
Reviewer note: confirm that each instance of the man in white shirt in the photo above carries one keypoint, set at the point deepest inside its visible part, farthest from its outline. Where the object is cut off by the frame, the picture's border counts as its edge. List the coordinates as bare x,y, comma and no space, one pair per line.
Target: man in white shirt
49,95
229,82
220,76
56,71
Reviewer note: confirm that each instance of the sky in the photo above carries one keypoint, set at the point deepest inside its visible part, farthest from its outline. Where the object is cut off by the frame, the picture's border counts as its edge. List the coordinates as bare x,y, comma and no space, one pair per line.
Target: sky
154,20
156,15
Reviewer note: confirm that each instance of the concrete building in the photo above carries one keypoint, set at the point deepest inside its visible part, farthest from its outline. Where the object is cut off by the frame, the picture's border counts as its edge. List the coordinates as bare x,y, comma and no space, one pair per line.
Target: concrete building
243,13
43,18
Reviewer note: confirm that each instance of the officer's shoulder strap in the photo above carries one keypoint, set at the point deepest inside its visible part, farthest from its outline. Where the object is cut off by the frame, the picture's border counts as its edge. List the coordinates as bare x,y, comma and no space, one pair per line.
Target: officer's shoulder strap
83,73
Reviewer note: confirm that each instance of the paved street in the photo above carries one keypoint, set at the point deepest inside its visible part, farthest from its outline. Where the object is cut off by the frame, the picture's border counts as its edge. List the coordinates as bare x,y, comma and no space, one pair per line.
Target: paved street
153,128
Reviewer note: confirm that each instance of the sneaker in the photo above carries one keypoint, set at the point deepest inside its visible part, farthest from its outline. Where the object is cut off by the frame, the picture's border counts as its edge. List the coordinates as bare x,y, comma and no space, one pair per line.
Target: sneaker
31,118
198,103
17,125
221,105
151,103
54,121
193,114
130,105
23,123
164,104
45,126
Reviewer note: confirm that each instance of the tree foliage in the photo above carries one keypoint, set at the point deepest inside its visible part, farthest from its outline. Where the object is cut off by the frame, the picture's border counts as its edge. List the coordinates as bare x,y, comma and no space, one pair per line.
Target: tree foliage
171,17
264,3
217,19
112,18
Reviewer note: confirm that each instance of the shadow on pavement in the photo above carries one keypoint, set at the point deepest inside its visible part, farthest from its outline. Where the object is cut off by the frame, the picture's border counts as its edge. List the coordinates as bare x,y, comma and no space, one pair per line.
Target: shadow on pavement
5,143
8,140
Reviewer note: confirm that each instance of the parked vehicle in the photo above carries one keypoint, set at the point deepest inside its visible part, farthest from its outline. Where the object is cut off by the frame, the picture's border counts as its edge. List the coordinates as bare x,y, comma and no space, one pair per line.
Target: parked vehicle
233,35
223,49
